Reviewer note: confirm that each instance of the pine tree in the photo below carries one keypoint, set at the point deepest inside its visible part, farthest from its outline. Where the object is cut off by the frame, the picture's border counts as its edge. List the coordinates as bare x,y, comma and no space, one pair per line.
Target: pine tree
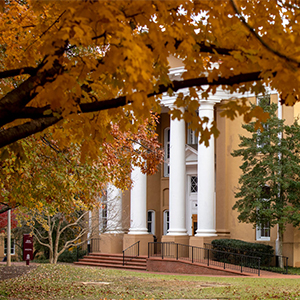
269,187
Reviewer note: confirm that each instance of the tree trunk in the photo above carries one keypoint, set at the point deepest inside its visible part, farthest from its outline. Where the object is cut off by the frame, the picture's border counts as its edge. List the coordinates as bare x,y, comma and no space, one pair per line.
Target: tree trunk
50,241
279,243
55,248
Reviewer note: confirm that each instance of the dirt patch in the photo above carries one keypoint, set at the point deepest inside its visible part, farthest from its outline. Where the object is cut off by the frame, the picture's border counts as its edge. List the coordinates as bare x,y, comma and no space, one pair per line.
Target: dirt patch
212,284
14,271
95,283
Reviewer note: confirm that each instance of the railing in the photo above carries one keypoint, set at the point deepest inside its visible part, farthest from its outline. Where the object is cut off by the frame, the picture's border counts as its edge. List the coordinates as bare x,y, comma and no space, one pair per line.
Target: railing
94,245
131,252
269,262
210,257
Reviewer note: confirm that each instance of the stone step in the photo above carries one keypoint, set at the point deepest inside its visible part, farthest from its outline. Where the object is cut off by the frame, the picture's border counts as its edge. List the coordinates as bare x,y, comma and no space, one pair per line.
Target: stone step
114,261
106,265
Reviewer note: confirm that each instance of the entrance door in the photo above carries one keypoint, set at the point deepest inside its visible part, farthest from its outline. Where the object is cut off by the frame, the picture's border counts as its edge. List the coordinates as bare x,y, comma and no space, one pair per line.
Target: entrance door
194,224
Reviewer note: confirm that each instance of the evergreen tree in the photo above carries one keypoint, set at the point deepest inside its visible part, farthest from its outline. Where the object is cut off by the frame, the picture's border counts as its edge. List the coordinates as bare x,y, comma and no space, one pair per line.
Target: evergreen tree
269,187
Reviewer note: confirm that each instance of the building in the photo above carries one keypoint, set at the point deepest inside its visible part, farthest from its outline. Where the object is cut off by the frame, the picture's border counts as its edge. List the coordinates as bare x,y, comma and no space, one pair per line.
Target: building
190,199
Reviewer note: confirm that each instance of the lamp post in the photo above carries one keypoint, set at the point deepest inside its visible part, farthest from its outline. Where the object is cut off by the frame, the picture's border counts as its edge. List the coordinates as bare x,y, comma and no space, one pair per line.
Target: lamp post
8,254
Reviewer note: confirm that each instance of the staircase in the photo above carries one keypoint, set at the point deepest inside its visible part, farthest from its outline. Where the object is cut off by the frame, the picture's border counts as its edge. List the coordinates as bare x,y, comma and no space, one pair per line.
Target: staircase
105,260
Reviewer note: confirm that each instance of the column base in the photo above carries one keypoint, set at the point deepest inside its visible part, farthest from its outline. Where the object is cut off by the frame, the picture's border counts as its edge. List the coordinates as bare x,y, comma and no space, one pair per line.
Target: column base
175,251
130,239
180,239
206,232
177,232
200,241
111,243
138,231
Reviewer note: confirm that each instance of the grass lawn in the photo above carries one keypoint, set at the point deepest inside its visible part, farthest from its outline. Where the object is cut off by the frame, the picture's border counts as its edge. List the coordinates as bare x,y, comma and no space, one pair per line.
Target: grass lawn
72,282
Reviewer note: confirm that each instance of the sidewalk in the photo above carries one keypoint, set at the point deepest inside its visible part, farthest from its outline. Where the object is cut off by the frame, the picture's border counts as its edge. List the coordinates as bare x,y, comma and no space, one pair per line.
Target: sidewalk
263,274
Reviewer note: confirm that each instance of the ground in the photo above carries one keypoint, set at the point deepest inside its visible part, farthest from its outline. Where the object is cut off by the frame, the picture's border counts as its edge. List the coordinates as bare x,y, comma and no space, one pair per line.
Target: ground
68,281
14,271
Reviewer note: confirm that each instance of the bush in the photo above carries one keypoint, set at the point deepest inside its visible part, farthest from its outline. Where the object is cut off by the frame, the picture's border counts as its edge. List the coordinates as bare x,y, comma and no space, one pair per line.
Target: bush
265,252
73,255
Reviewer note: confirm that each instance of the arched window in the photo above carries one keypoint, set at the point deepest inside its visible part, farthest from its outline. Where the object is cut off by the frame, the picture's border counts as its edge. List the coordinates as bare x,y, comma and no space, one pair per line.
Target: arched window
167,151
166,221
151,221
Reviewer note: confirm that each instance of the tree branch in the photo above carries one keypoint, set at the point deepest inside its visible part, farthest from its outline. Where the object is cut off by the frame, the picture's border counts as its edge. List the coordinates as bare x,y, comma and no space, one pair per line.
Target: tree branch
16,133
21,71
73,224
71,243
42,121
259,38
5,208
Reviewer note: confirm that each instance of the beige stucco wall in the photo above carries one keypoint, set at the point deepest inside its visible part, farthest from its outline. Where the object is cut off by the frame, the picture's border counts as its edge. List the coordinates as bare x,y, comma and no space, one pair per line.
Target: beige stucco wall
227,175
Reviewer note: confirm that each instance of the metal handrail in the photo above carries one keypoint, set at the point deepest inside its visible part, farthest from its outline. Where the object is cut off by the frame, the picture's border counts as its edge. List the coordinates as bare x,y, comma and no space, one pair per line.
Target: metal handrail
269,264
233,261
134,248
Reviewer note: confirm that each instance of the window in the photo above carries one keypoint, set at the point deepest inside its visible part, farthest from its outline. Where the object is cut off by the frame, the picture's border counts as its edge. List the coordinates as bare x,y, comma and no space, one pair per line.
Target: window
12,248
151,222
103,217
166,221
263,100
263,138
167,152
90,227
263,230
192,137
193,184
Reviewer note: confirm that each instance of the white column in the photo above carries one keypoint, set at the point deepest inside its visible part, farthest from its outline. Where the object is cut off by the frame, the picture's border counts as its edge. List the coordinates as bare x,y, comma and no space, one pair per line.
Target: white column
206,179
177,179
138,202
114,209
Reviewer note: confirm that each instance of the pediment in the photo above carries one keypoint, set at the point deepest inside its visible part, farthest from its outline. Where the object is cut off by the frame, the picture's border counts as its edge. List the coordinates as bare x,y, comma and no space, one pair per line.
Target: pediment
191,155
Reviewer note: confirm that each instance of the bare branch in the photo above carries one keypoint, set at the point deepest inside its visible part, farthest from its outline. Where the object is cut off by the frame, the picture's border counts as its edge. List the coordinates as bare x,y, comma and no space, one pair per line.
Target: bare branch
73,224
71,243
44,238
39,241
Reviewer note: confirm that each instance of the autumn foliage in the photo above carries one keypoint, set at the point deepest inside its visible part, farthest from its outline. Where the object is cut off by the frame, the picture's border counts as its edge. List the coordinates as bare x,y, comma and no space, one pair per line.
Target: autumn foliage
3,221
85,65
41,173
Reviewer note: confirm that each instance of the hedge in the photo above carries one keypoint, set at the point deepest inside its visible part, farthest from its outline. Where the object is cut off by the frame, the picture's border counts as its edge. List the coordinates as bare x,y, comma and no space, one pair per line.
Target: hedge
265,252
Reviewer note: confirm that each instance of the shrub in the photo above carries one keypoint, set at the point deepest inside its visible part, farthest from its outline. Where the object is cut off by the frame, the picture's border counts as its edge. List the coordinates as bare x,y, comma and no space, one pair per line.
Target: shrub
265,252
73,255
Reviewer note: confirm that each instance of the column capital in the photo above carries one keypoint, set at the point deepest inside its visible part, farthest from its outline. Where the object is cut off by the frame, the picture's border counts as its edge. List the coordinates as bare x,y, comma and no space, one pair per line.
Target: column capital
207,104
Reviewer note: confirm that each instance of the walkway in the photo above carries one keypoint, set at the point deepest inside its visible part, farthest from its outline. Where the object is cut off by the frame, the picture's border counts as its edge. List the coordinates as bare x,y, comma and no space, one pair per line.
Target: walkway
263,274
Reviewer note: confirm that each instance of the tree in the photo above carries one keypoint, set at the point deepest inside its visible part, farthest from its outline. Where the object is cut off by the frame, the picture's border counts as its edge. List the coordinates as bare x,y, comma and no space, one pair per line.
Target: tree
3,221
269,191
55,230
40,172
85,65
